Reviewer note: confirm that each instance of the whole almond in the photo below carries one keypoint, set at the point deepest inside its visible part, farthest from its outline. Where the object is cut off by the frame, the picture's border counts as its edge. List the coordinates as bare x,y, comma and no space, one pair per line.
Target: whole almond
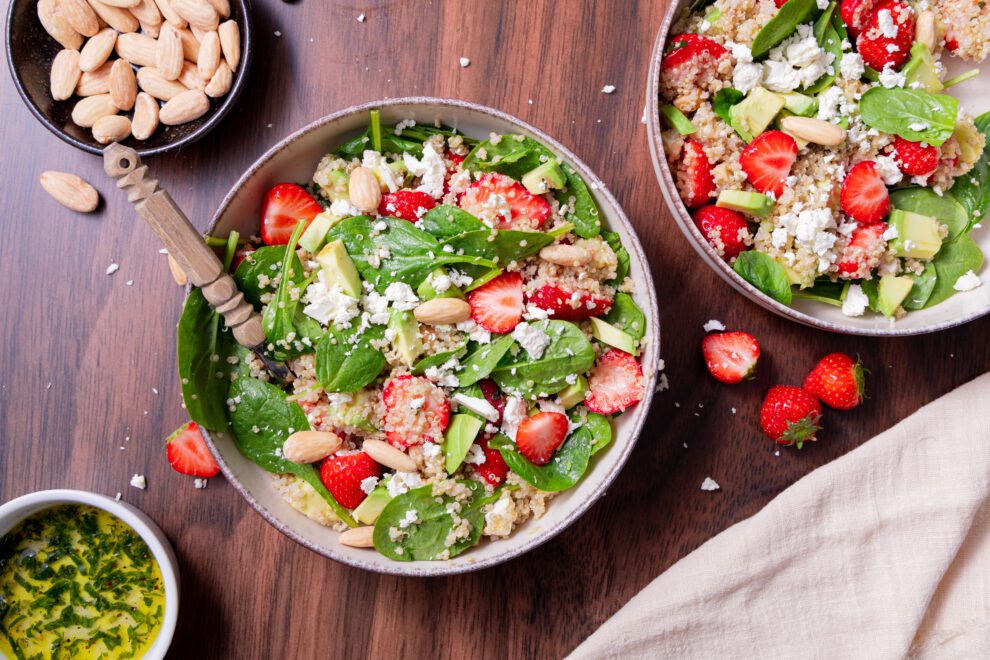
96,82
199,13
814,130
221,82
169,13
151,30
149,80
363,189
389,456
169,57
118,18
70,191
185,107
65,73
222,7
138,49
123,85
146,11
310,446
230,43
145,119
209,55
190,77
565,255
197,33
442,311
190,46
112,128
358,537
88,110
80,16
97,50
924,29
58,26
178,274
124,4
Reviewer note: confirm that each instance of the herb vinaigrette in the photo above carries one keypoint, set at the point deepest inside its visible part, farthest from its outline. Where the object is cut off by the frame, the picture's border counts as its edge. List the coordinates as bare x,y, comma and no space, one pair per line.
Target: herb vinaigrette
77,582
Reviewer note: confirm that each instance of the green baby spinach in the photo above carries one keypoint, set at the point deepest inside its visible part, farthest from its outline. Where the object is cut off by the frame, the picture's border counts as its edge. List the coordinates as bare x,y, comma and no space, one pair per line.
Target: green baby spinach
601,431
261,420
500,246
285,325
347,360
783,25
913,114
955,259
265,262
925,201
972,190
764,273
627,316
722,103
924,284
482,359
445,221
621,255
410,141
569,353
825,291
439,359
202,348
565,469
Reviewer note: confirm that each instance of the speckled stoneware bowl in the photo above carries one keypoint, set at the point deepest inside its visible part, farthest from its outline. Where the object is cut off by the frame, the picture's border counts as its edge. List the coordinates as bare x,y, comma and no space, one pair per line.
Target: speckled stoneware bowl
294,159
963,307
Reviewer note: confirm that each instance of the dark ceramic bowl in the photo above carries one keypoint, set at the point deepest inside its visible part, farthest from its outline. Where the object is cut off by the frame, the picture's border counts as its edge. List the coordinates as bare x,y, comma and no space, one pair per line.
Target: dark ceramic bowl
30,51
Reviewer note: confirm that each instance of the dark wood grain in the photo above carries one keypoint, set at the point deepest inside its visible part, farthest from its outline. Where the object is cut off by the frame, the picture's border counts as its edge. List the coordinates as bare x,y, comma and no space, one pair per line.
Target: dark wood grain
247,592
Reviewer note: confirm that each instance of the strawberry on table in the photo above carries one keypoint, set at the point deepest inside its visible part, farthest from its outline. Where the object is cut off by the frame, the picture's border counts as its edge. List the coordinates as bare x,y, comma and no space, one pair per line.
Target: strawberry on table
416,411
406,204
539,436
505,202
790,415
854,14
887,35
497,306
693,174
342,474
285,205
914,158
569,305
494,470
614,383
767,161
838,381
731,357
863,252
724,229
864,196
188,453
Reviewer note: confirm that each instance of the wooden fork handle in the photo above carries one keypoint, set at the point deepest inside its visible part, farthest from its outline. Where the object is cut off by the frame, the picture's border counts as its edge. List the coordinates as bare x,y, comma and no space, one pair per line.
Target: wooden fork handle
157,208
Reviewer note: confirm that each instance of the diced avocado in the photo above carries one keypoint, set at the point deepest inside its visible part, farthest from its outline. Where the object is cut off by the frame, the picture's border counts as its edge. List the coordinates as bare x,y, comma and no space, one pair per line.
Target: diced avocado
427,290
800,104
917,235
407,340
713,16
337,186
353,414
921,69
611,335
458,438
483,279
970,141
338,268
753,114
368,511
677,120
753,203
315,234
573,394
891,292
544,177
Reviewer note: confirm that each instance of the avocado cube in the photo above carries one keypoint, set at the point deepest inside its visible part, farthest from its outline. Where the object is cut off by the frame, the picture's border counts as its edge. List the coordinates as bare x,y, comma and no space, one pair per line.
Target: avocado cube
427,290
677,120
917,235
544,177
970,141
891,292
336,187
753,114
368,511
458,438
338,268
573,394
407,340
921,69
753,203
316,232
611,335
800,104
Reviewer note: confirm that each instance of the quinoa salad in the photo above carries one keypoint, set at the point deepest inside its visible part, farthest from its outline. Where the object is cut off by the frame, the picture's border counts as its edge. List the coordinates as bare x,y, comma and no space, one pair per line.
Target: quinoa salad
819,151
459,328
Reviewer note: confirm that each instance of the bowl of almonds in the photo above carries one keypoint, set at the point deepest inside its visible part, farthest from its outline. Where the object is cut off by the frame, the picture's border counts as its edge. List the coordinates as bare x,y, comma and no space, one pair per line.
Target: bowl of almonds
151,74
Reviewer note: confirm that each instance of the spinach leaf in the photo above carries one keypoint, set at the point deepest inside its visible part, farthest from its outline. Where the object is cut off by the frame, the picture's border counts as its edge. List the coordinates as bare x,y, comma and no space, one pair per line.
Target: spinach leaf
924,201
203,346
825,291
763,272
425,540
783,25
627,316
438,359
954,260
500,246
265,261
445,221
871,289
830,40
261,406
972,190
482,359
601,431
411,141
724,99
569,352
582,211
286,327
924,284
346,360
565,469
896,110
621,254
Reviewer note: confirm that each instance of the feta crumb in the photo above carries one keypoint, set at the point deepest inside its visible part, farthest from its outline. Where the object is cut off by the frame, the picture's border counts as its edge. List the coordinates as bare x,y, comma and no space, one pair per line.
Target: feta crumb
531,338
856,301
465,62
138,481
200,484
713,325
709,484
477,405
361,18
112,268
515,412
475,455
608,89
967,282
368,484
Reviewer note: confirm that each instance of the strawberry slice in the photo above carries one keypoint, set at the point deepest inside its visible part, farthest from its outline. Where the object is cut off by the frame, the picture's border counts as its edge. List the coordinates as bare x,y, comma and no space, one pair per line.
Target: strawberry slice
914,158
767,161
614,383
887,36
864,251
285,205
406,204
497,306
693,173
416,411
505,203
731,357
854,14
494,470
724,229
240,255
569,305
864,196
342,474
539,436
188,453
688,49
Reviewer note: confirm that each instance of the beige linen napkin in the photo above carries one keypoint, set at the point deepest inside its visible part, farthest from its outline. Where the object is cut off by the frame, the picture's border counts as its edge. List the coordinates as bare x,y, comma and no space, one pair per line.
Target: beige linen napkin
883,553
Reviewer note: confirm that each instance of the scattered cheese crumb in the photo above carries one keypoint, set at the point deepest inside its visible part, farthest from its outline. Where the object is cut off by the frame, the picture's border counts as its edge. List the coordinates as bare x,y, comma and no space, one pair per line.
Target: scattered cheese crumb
112,268
713,325
709,484
200,483
361,18
277,33
608,89
138,481
465,62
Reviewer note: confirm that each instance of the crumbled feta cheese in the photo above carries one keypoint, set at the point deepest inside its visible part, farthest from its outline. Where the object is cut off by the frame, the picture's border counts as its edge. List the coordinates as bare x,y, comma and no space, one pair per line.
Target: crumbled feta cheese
709,484
851,67
885,21
200,483
713,325
342,208
430,169
608,89
328,303
888,170
368,484
401,296
919,126
138,481
411,518
475,332
376,162
112,268
431,449
475,455
746,76
465,62
967,282
890,78
890,233
403,482
856,301
477,405
531,338
361,18
516,410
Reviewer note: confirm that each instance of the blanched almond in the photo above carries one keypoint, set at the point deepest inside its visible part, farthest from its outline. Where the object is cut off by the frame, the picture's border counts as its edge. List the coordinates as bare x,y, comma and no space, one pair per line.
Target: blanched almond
190,77
185,107
221,82
222,7
138,49
442,311
112,128
197,33
145,119
924,29
310,446
123,85
70,191
88,110
209,55
80,16
168,56
146,11
119,19
96,82
169,13
65,74
363,189
387,455
565,255
814,130
358,537
150,81
58,26
230,43
124,4
151,30
190,46
199,13
97,50
178,274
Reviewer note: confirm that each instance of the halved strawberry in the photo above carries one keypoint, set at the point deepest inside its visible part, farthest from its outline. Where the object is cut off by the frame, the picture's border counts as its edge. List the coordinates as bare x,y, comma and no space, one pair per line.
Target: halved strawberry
494,397
767,161
342,474
854,14
724,229
494,469
406,204
188,453
864,251
614,383
416,411
686,49
285,205
569,305
779,3
539,436
505,202
497,306
693,175
864,196
887,35
914,158
731,357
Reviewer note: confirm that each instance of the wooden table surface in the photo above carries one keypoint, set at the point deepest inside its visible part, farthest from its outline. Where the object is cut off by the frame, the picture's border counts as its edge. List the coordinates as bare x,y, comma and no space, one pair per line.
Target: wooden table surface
88,389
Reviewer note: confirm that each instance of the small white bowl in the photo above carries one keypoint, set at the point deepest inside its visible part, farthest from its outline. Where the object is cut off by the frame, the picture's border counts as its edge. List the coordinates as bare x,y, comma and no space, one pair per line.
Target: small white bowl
18,509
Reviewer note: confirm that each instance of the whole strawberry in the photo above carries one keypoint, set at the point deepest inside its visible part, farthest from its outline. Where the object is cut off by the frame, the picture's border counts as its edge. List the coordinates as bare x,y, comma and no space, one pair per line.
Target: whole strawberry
342,474
838,381
790,415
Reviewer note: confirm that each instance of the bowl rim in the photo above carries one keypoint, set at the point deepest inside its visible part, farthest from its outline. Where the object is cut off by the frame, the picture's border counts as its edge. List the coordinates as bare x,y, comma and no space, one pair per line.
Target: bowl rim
240,80
707,253
650,371
19,508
